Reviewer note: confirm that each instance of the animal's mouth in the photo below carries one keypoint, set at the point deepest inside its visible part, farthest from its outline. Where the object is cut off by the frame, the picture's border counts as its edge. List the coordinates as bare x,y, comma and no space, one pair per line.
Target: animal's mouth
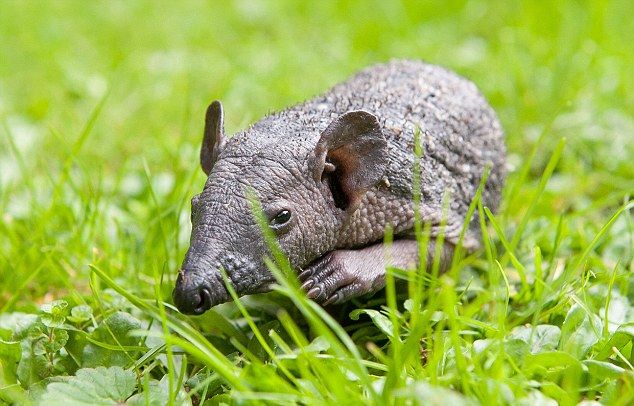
194,294
221,293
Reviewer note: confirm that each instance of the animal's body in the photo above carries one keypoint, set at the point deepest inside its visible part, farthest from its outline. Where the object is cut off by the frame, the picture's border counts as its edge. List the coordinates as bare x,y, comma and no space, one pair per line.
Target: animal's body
332,173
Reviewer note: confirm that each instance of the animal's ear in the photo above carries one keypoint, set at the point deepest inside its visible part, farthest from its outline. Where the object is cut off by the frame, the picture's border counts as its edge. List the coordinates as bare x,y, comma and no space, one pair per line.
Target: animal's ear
351,155
213,137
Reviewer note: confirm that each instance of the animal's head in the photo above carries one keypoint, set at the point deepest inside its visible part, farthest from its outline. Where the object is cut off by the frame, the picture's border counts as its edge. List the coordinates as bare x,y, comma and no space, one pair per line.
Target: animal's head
307,190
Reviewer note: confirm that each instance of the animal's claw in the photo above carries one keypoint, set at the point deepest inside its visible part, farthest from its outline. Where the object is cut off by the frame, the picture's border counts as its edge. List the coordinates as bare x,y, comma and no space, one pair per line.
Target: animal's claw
308,284
305,274
334,278
332,299
314,293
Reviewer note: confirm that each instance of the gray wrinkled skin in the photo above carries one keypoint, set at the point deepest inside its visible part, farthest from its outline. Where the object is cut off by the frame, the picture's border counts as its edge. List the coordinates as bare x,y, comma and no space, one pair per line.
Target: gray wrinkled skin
460,134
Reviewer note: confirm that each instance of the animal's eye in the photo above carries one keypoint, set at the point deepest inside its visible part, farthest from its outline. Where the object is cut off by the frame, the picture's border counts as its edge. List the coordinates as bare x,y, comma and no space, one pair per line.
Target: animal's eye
281,218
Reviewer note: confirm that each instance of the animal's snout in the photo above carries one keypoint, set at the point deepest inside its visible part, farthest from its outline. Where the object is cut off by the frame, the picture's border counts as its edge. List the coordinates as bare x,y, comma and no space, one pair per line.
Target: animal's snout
192,295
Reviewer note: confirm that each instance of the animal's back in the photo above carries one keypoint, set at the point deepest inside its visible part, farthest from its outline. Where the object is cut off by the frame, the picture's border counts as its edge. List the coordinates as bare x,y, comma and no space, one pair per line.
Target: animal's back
459,132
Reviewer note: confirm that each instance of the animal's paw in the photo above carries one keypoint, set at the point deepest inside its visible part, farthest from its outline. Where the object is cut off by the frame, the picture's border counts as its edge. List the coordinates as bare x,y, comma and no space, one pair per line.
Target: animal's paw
339,276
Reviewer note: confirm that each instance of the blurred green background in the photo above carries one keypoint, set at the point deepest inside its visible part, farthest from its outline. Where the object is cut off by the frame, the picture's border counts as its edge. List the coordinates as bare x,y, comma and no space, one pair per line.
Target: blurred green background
101,114
101,111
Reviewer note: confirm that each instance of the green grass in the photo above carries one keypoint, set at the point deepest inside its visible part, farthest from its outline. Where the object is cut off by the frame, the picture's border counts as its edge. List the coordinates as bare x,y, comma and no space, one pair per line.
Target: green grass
101,111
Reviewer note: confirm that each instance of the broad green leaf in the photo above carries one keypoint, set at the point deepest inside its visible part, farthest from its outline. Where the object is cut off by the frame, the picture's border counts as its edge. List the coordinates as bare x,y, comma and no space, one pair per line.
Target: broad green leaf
54,313
56,306
378,318
79,314
602,369
480,346
408,305
254,345
619,310
489,348
99,386
553,361
554,391
541,338
536,398
426,394
220,400
157,394
113,332
497,392
516,349
579,331
317,345
59,340
34,365
213,319
18,323
619,339
9,357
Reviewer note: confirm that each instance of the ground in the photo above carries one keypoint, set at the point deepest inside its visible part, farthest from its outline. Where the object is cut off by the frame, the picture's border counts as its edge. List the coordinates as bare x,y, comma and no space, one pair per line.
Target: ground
101,108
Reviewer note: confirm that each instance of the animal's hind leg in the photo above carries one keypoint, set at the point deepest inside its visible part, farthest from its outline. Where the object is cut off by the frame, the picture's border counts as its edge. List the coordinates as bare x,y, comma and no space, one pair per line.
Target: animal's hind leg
344,274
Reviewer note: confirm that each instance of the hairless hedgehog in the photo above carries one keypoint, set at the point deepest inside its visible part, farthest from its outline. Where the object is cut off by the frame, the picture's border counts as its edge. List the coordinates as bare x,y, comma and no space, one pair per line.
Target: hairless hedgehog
332,174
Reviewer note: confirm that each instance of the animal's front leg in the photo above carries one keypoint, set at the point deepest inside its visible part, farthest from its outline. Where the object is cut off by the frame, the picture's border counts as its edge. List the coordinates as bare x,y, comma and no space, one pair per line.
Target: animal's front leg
344,274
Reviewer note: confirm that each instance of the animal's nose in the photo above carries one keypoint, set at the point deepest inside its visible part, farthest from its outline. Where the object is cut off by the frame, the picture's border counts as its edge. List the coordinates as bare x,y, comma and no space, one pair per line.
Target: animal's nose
190,295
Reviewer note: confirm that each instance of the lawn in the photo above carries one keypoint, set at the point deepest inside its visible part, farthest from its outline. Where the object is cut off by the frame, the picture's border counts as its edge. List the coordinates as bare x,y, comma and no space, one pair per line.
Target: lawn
101,114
